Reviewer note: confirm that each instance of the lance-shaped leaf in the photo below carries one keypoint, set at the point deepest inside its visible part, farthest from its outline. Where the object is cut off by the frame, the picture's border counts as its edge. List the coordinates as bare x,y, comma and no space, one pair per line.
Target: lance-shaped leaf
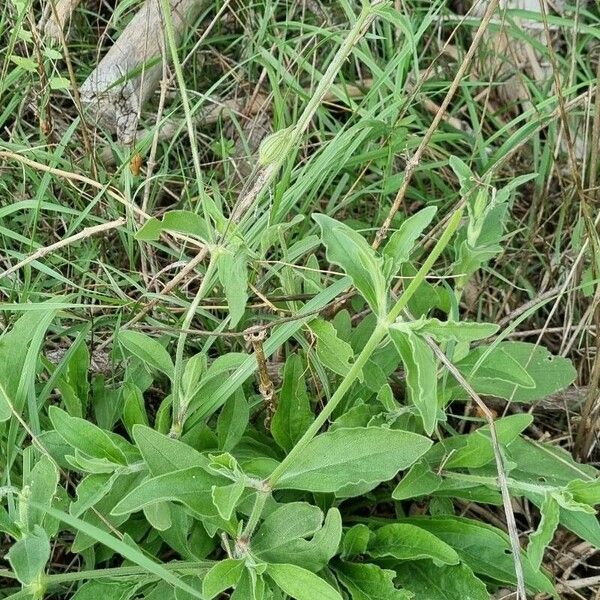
293,415
518,371
408,542
29,555
148,350
348,456
180,221
164,454
485,549
421,374
282,536
334,353
542,536
19,349
349,250
398,248
301,584
457,331
192,487
86,437
224,575
233,275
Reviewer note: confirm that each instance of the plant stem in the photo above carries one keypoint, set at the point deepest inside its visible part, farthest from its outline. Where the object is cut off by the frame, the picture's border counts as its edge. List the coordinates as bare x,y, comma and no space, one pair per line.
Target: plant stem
365,18
257,509
60,578
418,279
179,403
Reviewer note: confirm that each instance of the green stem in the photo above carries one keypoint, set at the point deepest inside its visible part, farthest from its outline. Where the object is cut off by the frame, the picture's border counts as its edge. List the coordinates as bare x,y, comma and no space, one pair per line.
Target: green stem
257,509
377,336
365,18
172,42
355,370
179,403
418,279
60,578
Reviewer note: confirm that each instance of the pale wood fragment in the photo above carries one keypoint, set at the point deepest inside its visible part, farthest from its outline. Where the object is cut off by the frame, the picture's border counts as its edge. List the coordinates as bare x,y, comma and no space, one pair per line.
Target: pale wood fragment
127,76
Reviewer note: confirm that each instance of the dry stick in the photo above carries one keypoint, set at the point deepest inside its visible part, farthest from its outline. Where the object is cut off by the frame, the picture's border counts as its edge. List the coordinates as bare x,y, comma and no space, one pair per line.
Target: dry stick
110,191
413,163
41,252
53,24
502,483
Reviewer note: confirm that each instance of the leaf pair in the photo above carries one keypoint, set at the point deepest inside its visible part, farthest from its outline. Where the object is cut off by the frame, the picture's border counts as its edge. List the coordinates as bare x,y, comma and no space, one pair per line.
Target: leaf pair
371,273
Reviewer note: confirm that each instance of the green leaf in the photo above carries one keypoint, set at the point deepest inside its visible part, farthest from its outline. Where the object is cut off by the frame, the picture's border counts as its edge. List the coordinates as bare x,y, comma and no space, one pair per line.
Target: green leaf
501,372
336,459
232,421
419,481
421,375
180,221
192,487
90,490
27,64
463,172
542,536
224,575
450,582
159,515
250,586
17,374
485,549
314,554
293,415
287,523
301,584
85,436
226,497
134,410
369,582
409,542
333,352
148,350
355,541
29,555
447,331
586,492
42,482
59,83
233,275
163,454
281,537
478,450
401,242
349,250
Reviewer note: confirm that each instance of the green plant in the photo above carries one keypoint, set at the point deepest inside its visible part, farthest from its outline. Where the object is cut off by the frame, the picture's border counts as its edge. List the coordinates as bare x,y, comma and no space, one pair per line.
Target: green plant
299,423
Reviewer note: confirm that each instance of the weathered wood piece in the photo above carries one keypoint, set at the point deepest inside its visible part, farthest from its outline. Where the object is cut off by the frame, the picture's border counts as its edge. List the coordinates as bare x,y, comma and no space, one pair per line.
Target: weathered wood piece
130,72
55,19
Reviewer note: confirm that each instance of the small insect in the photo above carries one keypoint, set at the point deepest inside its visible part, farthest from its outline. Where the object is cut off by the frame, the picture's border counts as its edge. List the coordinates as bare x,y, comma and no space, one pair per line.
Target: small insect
135,164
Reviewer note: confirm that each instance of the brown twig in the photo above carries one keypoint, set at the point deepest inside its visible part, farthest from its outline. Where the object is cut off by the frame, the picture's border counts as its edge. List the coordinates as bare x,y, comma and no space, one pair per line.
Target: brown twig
82,235
414,161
